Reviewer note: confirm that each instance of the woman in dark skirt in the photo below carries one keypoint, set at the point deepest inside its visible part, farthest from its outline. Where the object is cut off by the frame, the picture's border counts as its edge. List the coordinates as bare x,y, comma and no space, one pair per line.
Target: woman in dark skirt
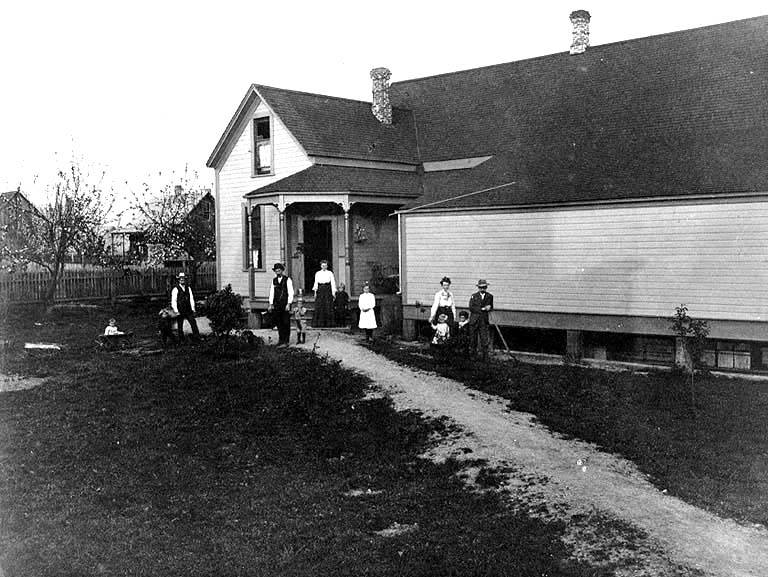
325,290
444,303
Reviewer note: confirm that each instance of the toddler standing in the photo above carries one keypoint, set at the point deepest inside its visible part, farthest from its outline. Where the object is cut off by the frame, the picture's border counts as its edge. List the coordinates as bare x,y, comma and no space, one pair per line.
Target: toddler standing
299,310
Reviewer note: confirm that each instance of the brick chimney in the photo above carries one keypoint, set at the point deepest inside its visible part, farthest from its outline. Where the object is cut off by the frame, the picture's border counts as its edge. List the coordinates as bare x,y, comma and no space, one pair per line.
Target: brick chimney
580,20
381,107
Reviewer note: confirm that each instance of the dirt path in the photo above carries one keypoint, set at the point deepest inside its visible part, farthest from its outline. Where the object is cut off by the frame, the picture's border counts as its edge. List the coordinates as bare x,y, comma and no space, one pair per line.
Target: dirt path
572,480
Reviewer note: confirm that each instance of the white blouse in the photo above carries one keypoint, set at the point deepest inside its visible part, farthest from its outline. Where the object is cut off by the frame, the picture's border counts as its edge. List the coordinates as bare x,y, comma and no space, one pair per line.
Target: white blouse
443,299
325,276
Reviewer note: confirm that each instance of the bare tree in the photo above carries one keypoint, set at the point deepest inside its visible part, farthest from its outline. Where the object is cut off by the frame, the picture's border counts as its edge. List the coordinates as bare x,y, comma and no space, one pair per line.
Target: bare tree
70,222
178,220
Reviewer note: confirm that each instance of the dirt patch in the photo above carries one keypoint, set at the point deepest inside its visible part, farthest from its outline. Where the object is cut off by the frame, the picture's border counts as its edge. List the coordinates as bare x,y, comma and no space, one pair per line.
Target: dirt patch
18,383
605,501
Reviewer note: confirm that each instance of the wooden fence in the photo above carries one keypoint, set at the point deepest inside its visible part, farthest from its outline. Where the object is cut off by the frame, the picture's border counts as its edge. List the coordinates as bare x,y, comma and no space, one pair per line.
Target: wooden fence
97,283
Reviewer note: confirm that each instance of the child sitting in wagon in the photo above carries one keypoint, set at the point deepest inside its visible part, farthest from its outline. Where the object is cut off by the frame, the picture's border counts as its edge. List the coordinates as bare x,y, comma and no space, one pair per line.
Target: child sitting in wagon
112,329
114,338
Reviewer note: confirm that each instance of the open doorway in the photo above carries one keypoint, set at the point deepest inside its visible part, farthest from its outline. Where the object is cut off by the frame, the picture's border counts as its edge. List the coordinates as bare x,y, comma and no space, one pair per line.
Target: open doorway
318,245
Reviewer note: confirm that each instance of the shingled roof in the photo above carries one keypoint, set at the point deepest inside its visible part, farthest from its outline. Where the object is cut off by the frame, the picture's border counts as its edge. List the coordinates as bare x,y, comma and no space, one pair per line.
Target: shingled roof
320,178
677,114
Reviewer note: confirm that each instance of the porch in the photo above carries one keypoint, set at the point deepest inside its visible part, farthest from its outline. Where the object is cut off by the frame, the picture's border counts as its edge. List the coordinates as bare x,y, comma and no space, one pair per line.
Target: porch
356,234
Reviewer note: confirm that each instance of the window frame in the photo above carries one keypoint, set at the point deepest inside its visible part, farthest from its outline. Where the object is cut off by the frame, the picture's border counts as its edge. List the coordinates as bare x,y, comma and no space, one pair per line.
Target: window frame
248,227
256,169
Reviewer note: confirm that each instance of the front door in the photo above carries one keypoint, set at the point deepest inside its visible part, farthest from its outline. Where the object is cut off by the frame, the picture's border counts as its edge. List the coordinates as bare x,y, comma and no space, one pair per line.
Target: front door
318,245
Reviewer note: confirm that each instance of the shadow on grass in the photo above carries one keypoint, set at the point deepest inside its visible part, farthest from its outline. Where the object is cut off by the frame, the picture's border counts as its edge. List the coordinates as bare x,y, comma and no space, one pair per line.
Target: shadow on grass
271,464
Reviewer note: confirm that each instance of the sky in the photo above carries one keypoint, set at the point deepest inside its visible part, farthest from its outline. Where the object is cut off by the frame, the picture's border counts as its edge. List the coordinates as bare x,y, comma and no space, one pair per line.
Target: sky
139,90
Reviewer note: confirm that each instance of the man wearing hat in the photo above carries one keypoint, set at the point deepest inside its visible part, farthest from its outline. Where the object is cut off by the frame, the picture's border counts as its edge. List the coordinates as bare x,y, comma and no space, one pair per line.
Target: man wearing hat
280,300
480,304
183,304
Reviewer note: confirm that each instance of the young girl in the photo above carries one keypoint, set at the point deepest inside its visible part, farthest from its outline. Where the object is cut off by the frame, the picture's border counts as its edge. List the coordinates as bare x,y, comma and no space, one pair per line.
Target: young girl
366,304
298,314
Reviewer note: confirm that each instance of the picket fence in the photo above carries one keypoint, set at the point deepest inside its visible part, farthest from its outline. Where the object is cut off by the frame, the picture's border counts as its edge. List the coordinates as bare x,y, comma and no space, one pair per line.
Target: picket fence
96,283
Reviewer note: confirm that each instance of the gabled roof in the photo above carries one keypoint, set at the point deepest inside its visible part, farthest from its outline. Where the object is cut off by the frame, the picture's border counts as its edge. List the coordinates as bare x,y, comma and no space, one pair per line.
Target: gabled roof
320,178
21,201
677,114
332,127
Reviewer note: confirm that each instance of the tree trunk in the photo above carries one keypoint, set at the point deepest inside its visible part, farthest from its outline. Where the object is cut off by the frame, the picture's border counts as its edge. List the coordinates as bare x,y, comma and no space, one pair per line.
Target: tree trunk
50,293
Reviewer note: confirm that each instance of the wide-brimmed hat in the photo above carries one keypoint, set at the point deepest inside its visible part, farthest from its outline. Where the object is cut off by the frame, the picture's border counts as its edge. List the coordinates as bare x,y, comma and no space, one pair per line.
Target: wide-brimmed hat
482,283
442,317
181,275
278,266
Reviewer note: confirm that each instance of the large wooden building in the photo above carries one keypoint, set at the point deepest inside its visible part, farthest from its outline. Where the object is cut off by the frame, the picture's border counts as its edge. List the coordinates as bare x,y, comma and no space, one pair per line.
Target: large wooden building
595,189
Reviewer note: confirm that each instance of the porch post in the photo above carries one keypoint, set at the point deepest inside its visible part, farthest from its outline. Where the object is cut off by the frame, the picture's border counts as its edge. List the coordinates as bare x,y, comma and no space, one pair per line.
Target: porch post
347,262
249,243
281,208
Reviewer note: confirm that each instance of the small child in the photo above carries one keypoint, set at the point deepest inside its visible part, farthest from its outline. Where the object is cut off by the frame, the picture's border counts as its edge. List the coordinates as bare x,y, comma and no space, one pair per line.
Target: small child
112,328
298,313
442,331
165,325
341,306
463,336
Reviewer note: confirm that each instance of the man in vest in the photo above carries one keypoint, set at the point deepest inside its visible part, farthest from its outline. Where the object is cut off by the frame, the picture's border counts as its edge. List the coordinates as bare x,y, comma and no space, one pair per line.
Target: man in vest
280,300
183,303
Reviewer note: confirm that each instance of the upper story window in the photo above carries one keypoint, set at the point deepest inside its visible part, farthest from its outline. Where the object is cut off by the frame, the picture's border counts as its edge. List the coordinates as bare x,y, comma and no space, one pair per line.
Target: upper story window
262,146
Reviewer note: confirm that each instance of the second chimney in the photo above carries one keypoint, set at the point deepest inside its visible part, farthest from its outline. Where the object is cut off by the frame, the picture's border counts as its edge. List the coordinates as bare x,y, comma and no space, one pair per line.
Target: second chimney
580,20
381,107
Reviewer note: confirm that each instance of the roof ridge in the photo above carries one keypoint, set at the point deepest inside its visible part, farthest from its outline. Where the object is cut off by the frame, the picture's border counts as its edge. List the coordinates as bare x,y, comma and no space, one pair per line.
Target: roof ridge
305,93
566,52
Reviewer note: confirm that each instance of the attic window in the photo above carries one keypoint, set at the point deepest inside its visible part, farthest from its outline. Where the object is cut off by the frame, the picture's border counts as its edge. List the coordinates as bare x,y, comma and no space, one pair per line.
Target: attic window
262,146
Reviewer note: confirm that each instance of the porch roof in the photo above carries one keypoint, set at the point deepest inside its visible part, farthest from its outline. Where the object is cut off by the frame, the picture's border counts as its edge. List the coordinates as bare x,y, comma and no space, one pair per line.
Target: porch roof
354,180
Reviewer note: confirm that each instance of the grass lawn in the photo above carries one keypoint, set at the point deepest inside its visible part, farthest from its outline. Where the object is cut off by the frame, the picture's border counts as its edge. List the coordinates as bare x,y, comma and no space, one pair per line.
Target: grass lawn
713,453
271,463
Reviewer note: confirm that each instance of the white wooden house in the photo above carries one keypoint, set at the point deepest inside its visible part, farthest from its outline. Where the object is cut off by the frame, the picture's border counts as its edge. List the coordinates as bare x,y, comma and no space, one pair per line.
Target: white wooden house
302,177
595,189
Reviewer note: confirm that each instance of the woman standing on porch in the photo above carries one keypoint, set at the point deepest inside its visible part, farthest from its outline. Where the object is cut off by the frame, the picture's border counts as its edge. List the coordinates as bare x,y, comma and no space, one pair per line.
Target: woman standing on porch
325,290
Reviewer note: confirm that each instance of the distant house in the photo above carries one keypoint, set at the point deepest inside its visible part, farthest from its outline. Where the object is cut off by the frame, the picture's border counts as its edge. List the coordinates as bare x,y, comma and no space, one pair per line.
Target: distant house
127,244
595,189
15,207
202,213
15,211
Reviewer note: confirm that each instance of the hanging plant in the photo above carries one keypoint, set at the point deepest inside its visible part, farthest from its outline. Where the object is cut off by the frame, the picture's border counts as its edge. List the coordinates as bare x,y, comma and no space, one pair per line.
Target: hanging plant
361,235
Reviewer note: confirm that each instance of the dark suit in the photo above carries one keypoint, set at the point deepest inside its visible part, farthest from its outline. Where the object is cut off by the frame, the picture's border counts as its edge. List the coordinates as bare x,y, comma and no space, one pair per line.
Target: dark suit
280,297
479,324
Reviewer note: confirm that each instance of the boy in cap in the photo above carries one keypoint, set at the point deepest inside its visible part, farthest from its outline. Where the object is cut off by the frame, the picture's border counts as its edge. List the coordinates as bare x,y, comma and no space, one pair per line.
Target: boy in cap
480,304
280,301
298,314
183,304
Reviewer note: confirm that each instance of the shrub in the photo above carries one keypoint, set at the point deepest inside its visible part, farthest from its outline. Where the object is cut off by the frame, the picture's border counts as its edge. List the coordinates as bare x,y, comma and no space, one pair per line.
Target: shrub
225,311
693,335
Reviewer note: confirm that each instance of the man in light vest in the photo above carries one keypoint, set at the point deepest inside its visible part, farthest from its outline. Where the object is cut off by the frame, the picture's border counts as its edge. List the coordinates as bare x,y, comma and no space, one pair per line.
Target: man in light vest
183,303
